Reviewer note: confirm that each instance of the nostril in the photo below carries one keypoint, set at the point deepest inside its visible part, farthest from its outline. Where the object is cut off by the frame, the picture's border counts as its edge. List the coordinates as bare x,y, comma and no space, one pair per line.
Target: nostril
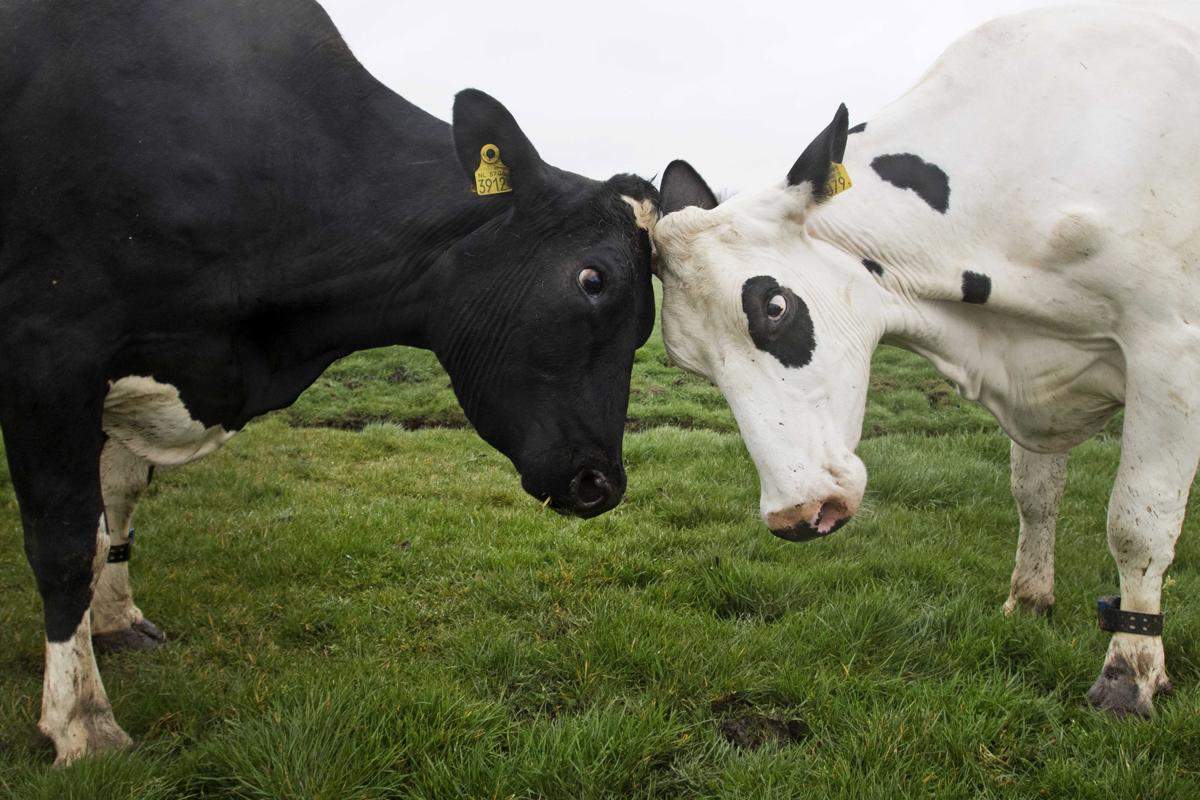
832,515
590,488
810,520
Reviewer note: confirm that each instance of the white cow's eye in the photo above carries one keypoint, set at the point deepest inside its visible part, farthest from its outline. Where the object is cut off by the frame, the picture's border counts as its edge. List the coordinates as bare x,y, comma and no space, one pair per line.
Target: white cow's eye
776,307
591,281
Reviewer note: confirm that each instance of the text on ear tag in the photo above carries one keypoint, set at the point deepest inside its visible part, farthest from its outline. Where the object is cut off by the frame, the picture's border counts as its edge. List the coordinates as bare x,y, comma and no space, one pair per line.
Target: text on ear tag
839,180
492,175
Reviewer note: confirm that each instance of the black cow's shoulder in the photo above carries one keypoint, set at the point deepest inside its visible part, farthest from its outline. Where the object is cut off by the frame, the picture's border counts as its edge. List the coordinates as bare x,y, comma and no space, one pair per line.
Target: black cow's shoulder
170,166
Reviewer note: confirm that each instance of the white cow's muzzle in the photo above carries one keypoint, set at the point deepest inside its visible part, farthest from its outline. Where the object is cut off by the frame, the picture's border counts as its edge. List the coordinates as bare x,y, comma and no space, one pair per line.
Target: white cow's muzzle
811,503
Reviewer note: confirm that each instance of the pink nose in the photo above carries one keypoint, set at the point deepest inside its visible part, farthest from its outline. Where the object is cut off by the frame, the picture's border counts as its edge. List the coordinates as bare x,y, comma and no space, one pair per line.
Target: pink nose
810,520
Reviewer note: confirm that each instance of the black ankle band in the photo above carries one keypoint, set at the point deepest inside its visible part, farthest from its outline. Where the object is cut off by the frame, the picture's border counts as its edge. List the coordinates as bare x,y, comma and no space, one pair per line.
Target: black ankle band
119,553
1114,620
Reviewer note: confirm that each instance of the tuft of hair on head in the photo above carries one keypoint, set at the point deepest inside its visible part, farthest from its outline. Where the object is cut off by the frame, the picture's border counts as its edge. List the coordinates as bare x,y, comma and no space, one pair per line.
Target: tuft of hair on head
642,197
676,232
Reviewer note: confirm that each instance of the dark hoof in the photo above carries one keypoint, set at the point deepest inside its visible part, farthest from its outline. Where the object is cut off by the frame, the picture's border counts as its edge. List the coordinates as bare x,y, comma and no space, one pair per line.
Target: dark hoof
143,635
1117,691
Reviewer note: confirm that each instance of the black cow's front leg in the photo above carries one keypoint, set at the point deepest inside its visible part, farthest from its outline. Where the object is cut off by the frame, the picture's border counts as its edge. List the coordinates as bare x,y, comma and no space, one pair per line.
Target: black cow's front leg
117,623
53,442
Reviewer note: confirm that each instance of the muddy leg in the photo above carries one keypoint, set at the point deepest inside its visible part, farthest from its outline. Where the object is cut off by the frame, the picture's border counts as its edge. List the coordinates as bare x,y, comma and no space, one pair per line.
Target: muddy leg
117,623
53,442
1037,486
1159,450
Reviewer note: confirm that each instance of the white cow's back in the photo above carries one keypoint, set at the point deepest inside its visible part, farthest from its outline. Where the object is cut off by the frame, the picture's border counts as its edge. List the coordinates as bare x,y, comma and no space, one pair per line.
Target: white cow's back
1070,138
1078,108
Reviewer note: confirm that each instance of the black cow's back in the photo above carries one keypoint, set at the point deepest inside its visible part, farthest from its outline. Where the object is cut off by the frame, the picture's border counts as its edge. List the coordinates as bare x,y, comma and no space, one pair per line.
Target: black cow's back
174,137
179,179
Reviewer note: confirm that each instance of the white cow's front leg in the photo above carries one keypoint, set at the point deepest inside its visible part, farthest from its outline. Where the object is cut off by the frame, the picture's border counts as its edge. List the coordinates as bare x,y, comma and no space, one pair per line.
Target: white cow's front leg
1037,486
117,623
76,714
1158,461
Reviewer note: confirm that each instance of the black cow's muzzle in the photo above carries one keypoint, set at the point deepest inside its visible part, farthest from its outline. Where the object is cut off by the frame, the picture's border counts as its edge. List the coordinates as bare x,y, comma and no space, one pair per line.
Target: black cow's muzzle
591,492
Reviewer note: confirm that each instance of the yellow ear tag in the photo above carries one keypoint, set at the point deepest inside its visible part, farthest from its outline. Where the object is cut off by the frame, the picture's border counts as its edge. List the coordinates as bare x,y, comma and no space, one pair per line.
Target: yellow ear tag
839,180
492,175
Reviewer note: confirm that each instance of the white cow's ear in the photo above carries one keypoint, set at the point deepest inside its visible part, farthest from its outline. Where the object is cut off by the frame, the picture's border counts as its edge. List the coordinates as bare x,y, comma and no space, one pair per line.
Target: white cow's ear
814,167
488,141
682,186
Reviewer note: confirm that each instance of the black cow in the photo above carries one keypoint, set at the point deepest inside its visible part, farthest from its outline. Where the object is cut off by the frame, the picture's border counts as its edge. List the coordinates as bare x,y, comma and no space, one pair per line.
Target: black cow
202,205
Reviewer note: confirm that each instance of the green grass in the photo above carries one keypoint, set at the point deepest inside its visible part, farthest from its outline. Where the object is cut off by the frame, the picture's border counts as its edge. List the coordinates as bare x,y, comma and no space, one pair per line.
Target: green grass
383,613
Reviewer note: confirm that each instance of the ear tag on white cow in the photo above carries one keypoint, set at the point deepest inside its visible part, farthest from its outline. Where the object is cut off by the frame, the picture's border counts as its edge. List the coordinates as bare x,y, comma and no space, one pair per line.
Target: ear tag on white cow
492,175
839,180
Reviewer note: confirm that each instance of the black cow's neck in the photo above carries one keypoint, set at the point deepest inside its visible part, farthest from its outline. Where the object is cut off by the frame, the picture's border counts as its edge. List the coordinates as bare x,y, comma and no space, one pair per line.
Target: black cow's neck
367,262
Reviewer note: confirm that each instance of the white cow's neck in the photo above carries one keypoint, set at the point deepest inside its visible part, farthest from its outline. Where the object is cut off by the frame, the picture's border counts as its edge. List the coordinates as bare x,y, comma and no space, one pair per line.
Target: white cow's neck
989,351
917,297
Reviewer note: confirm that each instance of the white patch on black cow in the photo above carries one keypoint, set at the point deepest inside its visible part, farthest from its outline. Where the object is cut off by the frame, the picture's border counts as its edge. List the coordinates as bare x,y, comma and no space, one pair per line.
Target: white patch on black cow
150,420
645,213
76,714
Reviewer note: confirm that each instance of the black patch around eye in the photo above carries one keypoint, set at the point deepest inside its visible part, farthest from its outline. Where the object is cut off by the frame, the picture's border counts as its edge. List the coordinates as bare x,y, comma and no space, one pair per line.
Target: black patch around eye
791,339
859,128
873,267
907,171
976,287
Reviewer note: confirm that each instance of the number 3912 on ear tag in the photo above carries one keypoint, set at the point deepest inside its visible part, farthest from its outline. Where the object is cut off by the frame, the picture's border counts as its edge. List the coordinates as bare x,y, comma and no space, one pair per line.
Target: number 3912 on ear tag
492,175
839,180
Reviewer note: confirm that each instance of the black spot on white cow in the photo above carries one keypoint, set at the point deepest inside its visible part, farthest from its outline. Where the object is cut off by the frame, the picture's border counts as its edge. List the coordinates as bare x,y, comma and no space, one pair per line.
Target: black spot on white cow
976,287
873,267
778,320
908,171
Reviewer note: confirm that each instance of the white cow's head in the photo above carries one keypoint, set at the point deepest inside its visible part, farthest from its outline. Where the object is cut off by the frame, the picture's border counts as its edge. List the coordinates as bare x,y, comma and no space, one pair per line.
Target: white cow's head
781,325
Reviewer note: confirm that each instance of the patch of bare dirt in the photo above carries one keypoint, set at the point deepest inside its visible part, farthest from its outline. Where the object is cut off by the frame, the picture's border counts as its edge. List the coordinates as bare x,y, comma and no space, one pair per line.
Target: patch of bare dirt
748,729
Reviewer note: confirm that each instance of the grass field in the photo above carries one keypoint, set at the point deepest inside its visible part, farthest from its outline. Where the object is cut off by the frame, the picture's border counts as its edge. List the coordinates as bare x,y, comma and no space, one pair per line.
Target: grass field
362,603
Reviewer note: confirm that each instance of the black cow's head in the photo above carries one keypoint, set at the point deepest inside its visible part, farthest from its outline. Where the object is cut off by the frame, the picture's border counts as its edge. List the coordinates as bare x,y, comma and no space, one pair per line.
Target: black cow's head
548,302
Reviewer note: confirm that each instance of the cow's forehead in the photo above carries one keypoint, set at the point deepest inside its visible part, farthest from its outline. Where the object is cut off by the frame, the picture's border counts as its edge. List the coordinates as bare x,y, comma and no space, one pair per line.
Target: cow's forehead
723,246
743,220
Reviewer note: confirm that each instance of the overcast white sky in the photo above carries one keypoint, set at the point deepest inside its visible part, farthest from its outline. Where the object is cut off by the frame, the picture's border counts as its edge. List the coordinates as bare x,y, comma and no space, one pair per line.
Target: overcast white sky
736,87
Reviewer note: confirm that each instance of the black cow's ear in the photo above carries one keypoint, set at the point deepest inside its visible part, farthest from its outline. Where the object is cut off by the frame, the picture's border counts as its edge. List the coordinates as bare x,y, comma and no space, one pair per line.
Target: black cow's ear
814,164
682,186
482,123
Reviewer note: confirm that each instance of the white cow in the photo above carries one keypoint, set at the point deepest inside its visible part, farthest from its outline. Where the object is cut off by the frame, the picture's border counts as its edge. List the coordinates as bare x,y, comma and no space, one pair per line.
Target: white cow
1028,219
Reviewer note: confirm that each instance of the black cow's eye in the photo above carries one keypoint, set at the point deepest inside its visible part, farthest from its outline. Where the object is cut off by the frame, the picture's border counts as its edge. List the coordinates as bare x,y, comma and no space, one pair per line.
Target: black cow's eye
591,281
776,307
